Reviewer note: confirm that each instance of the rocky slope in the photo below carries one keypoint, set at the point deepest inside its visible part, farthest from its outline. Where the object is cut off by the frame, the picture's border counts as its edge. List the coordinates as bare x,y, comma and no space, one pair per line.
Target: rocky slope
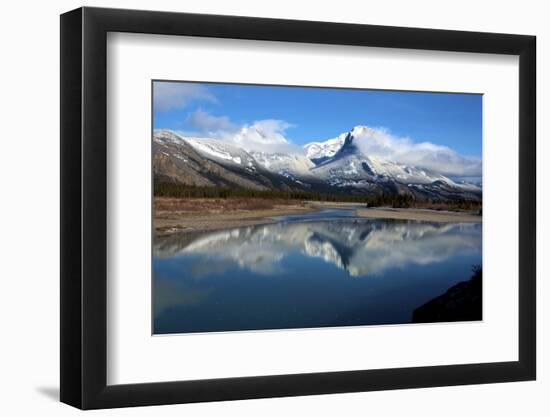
206,162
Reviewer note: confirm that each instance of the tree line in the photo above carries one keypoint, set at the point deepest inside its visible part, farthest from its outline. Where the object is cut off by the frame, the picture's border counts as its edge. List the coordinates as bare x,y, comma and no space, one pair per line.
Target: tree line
168,189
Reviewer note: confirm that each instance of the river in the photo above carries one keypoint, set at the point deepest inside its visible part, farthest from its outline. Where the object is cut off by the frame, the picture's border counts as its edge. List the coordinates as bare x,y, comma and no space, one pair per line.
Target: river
320,269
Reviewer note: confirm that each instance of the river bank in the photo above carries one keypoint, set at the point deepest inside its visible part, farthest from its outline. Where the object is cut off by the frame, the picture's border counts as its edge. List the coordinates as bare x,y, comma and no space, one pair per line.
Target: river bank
440,216
173,215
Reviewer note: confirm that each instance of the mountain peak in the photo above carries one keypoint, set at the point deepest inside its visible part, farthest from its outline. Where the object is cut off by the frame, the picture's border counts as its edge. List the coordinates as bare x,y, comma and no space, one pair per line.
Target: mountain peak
319,152
362,130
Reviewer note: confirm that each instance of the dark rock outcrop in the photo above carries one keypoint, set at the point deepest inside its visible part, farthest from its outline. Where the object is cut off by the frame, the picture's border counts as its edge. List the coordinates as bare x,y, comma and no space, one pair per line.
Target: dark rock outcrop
461,302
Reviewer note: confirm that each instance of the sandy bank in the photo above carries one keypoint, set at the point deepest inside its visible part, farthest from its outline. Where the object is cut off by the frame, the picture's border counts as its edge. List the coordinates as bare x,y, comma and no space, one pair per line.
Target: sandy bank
419,214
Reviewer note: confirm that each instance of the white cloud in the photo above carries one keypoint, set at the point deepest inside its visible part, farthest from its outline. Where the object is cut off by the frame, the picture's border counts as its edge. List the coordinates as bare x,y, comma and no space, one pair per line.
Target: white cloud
379,142
207,123
169,96
267,136
262,135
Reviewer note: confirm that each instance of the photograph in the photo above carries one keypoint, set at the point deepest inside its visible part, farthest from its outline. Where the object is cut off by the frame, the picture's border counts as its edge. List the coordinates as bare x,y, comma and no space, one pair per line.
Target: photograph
293,207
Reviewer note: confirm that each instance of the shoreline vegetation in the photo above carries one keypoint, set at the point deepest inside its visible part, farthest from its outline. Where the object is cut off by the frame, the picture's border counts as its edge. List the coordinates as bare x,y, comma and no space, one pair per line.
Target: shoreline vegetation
185,209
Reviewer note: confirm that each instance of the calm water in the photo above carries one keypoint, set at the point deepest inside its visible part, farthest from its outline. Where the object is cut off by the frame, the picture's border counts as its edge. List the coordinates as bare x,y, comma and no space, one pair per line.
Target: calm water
312,270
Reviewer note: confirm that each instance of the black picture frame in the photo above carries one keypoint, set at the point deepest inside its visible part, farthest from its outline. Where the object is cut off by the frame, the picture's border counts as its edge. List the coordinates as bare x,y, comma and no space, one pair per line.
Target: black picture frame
84,207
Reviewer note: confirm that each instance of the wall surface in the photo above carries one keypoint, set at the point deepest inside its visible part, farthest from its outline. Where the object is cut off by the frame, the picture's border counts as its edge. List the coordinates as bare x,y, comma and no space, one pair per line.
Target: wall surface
29,216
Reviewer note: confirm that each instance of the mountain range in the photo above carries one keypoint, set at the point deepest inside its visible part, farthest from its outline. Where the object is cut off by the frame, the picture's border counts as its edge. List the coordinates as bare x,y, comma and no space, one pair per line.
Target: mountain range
337,165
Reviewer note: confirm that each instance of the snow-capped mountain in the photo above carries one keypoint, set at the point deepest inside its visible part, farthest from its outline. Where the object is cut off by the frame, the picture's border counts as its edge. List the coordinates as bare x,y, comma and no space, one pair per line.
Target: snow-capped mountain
319,152
209,162
224,153
295,167
336,165
350,167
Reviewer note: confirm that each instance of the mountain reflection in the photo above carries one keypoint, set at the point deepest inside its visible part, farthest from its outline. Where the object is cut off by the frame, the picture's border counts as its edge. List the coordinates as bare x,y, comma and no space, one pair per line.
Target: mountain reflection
359,246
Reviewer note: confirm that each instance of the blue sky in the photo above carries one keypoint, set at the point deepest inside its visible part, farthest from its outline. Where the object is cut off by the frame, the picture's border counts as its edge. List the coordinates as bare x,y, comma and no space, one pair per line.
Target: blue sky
316,114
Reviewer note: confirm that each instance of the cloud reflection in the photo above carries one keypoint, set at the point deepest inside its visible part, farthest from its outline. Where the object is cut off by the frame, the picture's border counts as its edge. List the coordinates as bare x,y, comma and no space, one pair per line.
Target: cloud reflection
168,294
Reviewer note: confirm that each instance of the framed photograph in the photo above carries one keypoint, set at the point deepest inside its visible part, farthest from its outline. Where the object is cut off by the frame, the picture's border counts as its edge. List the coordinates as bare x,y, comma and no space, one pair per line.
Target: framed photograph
256,208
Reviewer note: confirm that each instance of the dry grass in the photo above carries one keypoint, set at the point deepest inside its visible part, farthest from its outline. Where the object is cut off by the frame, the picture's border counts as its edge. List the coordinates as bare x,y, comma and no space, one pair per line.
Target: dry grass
199,214
216,205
